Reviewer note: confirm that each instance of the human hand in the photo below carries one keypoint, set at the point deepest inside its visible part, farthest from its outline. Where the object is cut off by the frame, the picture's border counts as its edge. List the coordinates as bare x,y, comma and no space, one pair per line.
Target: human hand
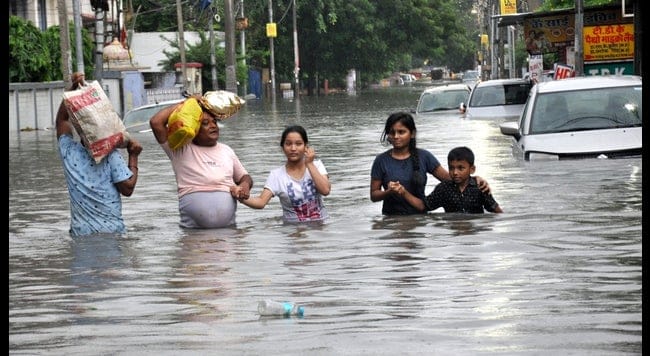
133,147
310,154
78,79
483,185
396,188
240,193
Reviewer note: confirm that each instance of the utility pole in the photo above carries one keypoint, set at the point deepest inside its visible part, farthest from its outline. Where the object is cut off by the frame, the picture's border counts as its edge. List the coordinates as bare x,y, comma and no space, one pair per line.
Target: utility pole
76,8
272,58
213,60
296,65
577,39
242,42
99,42
66,57
231,72
181,42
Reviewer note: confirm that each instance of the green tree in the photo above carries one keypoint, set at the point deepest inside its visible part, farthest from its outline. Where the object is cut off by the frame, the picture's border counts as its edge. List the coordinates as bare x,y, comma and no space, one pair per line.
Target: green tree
29,54
35,56
200,53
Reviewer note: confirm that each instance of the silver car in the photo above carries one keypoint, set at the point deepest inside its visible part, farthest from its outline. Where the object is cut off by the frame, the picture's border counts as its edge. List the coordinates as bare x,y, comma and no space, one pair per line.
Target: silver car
583,117
498,99
443,99
137,120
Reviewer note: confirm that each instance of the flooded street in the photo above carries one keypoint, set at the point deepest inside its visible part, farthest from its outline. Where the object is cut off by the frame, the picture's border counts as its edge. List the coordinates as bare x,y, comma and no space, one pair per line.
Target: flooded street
558,273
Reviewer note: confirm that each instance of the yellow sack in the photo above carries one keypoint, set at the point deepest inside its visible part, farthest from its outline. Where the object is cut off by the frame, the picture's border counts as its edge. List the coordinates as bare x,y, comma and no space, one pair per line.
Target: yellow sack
184,123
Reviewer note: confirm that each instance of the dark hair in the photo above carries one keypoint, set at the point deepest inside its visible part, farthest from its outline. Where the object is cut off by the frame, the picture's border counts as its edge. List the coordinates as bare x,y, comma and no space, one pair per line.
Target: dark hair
294,128
461,154
407,120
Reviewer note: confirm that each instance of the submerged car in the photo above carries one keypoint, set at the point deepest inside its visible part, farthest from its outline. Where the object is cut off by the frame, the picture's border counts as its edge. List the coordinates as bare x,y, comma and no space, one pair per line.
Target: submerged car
137,120
471,77
443,99
498,98
582,117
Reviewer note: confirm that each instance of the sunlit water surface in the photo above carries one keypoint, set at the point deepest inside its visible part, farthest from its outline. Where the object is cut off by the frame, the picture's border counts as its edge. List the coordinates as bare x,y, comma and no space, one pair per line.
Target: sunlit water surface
558,273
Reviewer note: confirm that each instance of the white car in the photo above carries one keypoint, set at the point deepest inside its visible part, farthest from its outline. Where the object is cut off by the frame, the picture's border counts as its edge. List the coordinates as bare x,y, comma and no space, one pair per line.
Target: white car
582,117
443,99
137,120
498,99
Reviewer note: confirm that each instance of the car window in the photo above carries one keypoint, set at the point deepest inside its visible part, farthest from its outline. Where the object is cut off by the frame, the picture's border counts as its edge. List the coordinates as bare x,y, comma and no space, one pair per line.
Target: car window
591,109
488,96
516,94
442,100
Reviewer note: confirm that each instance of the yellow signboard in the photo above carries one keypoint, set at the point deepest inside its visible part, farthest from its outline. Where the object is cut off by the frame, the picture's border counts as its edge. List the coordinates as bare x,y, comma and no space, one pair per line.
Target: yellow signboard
271,30
608,42
508,7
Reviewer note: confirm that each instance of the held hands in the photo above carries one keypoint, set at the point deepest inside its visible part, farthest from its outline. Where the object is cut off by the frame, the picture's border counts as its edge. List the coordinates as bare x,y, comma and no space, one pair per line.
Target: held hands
240,193
396,188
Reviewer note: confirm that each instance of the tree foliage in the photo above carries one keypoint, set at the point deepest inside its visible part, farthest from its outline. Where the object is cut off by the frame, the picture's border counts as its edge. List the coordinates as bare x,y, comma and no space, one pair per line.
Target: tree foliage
35,56
200,53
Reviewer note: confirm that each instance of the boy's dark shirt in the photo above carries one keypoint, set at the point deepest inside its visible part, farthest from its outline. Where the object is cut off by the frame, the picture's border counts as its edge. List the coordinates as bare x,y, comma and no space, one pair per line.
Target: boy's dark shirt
447,195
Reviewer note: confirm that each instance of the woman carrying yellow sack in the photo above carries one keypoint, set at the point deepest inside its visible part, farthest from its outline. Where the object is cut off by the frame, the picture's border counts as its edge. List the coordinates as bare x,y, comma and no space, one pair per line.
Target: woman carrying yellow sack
209,176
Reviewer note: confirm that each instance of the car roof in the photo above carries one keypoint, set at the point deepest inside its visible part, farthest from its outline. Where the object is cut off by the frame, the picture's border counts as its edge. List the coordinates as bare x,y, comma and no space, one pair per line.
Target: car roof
496,82
447,87
160,103
594,81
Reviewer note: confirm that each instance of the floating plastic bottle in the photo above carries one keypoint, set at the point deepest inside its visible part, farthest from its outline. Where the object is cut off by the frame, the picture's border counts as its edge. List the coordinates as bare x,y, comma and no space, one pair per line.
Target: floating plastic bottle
269,307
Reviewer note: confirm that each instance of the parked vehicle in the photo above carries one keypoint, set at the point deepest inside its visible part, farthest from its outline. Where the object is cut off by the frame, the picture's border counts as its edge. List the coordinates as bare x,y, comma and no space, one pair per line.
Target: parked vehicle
408,78
471,77
498,98
546,76
582,117
137,120
443,99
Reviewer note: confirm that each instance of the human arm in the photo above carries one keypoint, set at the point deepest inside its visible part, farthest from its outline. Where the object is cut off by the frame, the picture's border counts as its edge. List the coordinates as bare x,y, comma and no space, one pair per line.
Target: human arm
242,188
491,204
397,188
126,187
158,123
321,181
376,192
482,185
394,188
260,201
63,125
442,174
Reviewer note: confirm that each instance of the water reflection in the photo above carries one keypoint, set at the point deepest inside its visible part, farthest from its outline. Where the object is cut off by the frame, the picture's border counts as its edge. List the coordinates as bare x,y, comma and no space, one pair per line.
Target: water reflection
559,271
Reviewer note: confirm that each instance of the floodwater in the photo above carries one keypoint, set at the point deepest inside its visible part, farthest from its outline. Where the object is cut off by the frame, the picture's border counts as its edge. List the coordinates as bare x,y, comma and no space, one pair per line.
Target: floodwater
558,273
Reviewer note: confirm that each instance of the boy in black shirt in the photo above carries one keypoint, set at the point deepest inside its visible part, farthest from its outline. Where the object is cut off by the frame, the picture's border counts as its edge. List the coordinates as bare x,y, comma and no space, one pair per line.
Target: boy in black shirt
461,193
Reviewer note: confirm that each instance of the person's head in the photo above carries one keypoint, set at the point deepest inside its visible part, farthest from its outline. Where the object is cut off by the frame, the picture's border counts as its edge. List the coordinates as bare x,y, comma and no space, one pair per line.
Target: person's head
461,164
208,133
400,131
294,142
